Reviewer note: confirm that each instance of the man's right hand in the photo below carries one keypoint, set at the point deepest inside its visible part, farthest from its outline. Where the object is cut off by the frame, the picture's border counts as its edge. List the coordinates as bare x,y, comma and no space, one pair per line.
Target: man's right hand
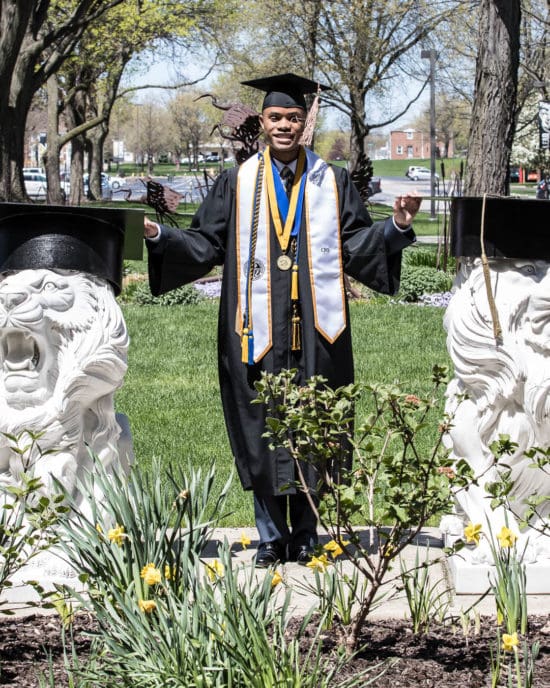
150,229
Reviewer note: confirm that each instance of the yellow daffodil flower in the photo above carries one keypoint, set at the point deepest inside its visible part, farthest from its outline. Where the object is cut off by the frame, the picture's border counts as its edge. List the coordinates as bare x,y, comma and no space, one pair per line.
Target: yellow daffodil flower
169,573
509,642
214,570
276,579
245,540
506,537
116,535
318,563
147,606
472,533
335,547
150,574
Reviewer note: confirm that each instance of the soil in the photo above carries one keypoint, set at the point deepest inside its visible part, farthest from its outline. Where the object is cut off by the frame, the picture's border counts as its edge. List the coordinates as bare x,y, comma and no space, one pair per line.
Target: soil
443,658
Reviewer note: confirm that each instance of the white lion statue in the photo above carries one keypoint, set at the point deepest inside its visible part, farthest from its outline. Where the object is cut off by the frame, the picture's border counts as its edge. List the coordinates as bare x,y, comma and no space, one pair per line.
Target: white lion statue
507,385
63,346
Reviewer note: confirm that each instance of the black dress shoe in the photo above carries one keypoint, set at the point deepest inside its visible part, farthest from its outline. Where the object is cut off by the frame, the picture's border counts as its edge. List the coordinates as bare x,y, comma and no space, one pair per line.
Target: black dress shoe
302,554
269,554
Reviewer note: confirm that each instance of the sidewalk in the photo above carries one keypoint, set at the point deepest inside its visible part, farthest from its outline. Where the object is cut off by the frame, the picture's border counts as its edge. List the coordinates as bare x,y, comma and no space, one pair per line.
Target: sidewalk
296,577
300,579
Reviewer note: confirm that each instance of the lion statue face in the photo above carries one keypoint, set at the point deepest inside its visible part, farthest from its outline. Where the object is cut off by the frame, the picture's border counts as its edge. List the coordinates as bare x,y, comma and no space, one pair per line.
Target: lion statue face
63,346
506,382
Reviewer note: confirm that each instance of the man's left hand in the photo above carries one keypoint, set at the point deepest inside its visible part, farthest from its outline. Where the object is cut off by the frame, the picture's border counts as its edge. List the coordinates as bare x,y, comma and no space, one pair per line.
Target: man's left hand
405,208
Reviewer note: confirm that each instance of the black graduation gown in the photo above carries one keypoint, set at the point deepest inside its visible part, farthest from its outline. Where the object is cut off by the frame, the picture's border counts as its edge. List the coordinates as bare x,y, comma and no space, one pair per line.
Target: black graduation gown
181,256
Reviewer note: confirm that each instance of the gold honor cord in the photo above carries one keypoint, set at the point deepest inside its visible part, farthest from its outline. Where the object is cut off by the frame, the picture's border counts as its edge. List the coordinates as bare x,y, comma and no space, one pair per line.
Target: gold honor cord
497,329
283,234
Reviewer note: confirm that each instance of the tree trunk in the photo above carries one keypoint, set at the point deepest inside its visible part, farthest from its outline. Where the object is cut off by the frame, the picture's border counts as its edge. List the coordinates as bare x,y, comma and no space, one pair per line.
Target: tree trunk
358,138
55,194
77,170
14,17
74,116
13,138
494,111
95,139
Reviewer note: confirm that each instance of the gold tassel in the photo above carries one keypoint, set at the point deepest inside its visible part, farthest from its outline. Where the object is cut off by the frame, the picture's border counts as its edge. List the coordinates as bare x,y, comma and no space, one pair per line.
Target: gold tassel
294,284
497,329
309,127
296,344
244,346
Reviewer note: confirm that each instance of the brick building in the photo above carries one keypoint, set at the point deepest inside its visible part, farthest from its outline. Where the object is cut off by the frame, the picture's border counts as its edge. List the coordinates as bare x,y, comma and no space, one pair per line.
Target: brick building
408,144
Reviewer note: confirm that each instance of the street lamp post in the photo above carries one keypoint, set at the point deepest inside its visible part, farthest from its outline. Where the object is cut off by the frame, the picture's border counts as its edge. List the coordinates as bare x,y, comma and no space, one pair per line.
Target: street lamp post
431,55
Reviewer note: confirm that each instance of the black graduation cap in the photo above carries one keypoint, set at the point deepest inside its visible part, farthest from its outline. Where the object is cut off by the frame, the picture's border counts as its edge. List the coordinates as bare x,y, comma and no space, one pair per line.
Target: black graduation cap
93,240
513,227
285,90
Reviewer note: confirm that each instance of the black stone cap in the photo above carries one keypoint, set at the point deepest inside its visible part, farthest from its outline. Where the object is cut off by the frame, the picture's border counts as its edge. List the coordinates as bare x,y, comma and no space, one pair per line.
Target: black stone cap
513,227
93,240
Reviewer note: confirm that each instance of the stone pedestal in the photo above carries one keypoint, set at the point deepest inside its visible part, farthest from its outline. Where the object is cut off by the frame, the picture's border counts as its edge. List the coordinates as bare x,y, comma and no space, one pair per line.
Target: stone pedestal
498,338
63,345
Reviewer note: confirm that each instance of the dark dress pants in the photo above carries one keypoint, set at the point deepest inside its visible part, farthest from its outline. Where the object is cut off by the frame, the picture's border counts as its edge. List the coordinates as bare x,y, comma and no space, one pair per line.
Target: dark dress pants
273,514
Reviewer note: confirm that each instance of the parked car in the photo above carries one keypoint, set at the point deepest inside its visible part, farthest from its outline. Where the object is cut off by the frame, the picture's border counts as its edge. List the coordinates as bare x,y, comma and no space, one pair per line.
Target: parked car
36,184
375,186
106,189
117,182
212,157
33,170
421,174
514,174
410,170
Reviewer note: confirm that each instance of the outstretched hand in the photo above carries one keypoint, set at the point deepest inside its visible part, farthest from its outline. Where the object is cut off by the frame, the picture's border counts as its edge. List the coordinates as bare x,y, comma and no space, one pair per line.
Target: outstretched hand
150,229
405,208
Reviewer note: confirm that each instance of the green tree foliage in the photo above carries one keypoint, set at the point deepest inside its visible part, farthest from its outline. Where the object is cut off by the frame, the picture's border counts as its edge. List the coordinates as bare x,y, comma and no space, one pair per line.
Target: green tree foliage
360,48
36,37
105,52
93,41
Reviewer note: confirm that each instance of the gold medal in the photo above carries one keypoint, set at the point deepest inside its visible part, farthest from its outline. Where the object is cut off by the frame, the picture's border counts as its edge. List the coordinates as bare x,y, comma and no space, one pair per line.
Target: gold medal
284,262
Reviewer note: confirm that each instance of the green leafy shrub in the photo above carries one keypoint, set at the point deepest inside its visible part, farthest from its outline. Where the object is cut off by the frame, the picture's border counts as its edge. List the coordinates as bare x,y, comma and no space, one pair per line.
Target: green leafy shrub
416,281
29,519
315,424
183,296
427,257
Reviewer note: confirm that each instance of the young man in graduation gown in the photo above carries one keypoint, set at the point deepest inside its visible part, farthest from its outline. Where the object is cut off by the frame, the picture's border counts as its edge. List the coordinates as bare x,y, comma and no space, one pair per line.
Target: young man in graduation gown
283,303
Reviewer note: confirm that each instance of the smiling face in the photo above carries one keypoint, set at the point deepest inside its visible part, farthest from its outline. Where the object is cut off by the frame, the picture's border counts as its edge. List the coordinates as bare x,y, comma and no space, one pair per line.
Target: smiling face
283,128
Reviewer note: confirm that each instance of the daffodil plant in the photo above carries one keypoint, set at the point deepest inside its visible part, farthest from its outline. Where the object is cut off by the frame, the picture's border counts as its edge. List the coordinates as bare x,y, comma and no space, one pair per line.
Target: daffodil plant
512,654
168,616
392,486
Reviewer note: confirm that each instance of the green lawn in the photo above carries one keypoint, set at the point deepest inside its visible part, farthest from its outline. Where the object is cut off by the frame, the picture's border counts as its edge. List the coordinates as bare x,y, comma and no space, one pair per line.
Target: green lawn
171,391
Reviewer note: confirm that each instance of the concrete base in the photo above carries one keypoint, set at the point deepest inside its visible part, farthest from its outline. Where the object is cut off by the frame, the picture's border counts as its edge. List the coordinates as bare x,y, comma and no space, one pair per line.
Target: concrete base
47,570
470,578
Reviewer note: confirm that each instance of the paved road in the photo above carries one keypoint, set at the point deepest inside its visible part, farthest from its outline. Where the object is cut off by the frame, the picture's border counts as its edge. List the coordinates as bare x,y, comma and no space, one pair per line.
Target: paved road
395,186
193,188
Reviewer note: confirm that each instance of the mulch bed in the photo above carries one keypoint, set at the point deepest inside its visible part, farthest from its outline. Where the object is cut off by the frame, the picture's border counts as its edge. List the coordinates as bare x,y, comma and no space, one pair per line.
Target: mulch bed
443,658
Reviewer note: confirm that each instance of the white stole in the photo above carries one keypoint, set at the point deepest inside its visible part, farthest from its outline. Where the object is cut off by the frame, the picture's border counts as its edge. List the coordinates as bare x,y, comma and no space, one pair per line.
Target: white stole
321,238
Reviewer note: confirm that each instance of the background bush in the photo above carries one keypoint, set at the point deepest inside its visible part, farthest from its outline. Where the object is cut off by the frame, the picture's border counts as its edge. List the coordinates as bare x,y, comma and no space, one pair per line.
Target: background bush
416,281
140,293
427,256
